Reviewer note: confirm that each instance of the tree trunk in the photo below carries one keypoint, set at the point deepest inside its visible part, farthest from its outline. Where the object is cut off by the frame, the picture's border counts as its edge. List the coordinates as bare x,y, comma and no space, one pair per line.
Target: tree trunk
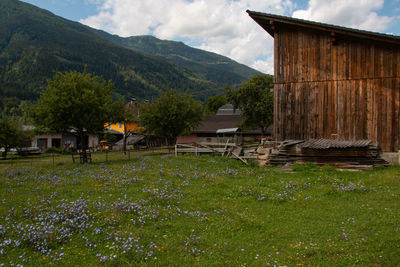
83,147
171,140
4,154
124,144
262,130
124,139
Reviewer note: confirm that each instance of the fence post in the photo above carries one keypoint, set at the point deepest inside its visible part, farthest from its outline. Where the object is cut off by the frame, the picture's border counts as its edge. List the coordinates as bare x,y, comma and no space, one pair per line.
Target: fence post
53,158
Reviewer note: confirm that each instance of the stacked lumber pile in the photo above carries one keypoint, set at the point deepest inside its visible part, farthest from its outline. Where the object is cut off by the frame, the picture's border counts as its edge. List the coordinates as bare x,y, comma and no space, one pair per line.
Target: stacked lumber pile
358,154
262,152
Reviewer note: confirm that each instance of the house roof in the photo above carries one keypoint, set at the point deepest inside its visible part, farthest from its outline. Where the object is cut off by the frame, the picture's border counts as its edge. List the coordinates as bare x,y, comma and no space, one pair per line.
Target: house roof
271,23
213,123
227,109
131,140
111,131
28,127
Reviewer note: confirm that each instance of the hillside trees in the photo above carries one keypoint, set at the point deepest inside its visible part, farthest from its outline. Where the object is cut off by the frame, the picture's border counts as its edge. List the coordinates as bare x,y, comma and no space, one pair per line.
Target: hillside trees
255,101
214,103
76,103
11,135
171,115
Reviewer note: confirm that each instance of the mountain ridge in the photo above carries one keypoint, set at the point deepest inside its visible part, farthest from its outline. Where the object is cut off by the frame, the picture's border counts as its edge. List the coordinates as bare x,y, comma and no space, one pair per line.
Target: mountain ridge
34,43
194,59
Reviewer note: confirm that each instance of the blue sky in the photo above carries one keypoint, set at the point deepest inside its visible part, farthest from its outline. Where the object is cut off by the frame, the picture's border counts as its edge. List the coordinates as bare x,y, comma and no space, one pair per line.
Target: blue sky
222,26
69,9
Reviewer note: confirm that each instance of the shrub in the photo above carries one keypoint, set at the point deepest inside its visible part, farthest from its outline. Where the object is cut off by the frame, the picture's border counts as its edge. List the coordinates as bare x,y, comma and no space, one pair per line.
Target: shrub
54,150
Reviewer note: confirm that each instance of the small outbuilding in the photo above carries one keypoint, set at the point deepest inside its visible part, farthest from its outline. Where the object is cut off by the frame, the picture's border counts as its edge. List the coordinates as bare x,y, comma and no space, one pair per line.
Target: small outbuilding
334,82
62,141
221,127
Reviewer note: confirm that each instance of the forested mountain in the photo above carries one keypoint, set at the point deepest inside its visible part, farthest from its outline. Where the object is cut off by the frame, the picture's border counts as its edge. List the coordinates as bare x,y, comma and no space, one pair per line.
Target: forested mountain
219,69
34,43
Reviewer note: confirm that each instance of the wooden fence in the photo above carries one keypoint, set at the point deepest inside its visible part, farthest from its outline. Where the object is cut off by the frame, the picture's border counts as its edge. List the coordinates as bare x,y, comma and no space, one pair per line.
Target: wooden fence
224,149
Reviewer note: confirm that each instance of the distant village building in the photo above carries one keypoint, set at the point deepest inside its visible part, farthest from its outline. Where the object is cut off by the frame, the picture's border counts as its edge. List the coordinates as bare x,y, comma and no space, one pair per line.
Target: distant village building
221,127
133,131
119,128
228,109
334,82
70,141
63,141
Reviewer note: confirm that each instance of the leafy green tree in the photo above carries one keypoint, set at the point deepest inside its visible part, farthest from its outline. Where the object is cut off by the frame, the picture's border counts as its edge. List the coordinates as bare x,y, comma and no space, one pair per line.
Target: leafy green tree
171,115
11,135
214,103
126,114
109,137
255,101
75,103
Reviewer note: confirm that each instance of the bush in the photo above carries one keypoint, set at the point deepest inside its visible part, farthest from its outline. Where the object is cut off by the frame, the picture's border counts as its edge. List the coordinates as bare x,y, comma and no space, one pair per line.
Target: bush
54,150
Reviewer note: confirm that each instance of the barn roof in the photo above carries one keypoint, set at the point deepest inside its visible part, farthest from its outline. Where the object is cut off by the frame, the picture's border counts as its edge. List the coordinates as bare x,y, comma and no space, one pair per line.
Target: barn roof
213,123
271,23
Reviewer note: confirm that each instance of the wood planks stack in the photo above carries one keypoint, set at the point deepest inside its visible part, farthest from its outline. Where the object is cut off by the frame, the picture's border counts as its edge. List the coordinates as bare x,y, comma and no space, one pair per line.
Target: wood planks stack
359,154
343,154
262,153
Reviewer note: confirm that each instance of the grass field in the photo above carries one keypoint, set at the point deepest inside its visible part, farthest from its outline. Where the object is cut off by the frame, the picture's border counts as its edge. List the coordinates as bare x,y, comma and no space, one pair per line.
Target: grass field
207,211
57,159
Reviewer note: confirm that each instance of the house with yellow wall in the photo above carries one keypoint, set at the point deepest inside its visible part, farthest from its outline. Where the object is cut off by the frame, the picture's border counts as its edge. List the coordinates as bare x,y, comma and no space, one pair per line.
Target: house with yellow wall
125,127
120,127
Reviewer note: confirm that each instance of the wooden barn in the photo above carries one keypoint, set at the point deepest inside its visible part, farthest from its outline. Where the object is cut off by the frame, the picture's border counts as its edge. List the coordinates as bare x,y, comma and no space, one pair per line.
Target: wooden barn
334,82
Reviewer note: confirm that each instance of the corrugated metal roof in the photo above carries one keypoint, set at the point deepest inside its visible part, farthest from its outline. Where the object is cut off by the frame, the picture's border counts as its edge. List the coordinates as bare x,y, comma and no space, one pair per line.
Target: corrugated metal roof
227,130
131,140
329,143
290,142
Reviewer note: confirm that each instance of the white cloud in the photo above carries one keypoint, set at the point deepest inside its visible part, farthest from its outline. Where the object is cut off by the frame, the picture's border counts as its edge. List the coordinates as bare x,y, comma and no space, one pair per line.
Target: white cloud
223,26
355,14
220,26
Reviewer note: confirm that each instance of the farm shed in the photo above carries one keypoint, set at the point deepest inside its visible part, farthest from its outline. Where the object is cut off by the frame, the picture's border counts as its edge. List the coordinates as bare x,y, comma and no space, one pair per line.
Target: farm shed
219,127
65,141
334,82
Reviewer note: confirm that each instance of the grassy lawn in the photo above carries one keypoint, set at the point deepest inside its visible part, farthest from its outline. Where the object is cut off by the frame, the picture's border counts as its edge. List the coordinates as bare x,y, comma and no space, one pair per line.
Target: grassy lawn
210,211
56,159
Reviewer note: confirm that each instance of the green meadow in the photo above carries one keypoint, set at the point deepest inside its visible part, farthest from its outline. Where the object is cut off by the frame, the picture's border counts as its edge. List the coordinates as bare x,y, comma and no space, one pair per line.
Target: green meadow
161,210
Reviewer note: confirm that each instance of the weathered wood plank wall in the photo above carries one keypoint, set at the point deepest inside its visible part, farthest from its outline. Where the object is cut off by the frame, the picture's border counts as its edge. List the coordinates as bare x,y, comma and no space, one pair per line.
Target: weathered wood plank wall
348,89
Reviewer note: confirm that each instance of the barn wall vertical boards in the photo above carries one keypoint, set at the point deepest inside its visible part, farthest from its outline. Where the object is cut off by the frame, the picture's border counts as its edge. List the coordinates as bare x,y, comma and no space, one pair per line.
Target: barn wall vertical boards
334,82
